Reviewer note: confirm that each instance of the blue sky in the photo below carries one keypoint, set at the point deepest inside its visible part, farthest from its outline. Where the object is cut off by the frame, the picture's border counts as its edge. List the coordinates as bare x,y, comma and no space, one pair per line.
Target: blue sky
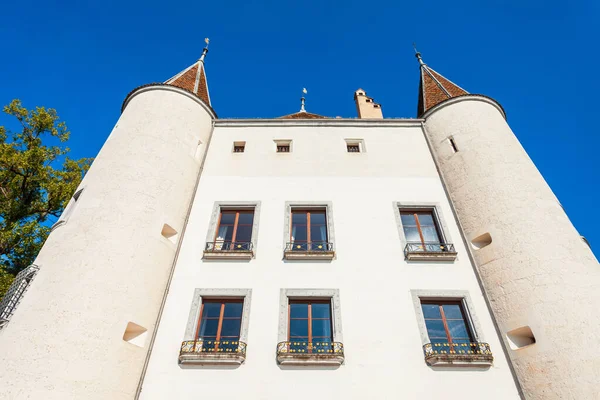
82,58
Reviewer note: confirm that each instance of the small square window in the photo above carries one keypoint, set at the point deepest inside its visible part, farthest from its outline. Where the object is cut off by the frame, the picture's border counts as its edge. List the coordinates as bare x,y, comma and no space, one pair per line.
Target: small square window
239,147
355,146
283,146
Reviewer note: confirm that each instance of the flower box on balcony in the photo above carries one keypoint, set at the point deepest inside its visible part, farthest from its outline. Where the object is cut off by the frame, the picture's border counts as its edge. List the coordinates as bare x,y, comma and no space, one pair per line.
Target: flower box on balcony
458,354
309,251
203,352
228,251
307,353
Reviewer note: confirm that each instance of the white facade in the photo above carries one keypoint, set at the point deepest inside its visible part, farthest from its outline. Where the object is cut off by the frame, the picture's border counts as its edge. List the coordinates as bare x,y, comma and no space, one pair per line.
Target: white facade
381,334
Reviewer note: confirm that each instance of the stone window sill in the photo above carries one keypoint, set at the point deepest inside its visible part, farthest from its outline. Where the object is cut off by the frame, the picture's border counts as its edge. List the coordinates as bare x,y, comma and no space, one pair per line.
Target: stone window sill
309,255
472,355
431,256
245,255
310,359
194,353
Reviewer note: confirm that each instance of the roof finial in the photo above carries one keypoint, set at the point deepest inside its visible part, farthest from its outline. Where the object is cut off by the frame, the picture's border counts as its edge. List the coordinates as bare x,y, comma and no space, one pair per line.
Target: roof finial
205,50
418,55
302,99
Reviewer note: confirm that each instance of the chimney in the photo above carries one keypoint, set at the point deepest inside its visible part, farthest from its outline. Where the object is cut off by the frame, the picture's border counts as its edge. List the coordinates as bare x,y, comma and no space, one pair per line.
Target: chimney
366,107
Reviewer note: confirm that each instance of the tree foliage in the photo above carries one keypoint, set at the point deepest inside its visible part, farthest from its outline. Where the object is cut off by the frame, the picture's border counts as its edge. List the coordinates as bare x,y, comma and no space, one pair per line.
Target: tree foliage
37,179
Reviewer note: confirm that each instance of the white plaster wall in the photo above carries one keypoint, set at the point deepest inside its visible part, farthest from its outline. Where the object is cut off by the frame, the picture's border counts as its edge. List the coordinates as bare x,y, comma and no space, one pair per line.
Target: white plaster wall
108,264
537,271
384,357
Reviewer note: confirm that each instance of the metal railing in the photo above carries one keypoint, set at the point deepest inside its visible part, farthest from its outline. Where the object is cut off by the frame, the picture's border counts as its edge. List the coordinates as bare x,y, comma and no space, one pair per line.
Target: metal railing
300,348
15,293
201,346
221,245
309,246
456,350
428,247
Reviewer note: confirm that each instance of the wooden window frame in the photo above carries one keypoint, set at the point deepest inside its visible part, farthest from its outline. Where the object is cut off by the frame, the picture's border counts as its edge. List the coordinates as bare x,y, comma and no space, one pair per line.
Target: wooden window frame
235,224
309,318
221,318
465,318
419,229
308,225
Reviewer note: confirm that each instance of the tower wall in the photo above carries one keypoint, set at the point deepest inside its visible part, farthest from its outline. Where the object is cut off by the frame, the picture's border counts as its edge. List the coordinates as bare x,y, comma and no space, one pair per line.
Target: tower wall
109,264
537,272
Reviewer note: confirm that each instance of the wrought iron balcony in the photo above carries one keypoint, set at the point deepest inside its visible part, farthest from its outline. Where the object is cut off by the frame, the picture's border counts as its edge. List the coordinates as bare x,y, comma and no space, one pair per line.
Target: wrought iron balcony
212,352
430,251
309,250
303,353
220,249
461,354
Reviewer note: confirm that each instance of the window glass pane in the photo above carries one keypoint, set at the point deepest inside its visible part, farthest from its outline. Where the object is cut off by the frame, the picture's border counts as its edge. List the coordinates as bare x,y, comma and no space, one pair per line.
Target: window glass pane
452,311
231,327
299,310
408,219
321,310
318,233
227,217
225,233
458,328
298,327
412,234
425,218
299,218
299,233
211,310
208,327
317,218
233,310
430,234
246,218
435,328
244,233
321,327
431,311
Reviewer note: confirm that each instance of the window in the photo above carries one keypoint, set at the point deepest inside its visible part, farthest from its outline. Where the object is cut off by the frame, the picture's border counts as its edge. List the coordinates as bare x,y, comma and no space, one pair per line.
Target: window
283,148
234,231
217,328
239,147
309,230
220,324
446,323
420,226
355,145
450,332
453,144
68,210
423,234
310,326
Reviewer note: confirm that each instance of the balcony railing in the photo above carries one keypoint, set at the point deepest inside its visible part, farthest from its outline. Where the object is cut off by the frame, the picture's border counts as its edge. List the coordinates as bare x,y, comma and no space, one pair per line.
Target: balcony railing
430,251
212,352
221,249
221,245
302,352
309,250
469,354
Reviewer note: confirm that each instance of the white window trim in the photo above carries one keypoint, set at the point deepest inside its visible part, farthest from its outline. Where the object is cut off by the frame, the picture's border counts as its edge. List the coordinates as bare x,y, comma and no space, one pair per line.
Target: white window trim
360,142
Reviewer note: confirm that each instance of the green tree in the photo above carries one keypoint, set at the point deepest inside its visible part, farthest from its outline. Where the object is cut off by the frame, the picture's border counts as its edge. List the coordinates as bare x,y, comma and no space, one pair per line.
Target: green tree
37,179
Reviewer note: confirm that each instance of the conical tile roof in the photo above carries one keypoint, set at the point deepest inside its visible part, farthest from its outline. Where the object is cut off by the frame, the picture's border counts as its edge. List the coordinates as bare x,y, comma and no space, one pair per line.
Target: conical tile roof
434,88
193,79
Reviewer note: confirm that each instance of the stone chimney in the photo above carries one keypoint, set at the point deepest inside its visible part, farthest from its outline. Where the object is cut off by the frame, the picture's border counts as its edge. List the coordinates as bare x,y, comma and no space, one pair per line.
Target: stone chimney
366,107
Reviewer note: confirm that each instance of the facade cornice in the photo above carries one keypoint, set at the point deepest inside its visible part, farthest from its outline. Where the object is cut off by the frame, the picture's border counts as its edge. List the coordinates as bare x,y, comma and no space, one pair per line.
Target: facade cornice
165,86
464,97
400,122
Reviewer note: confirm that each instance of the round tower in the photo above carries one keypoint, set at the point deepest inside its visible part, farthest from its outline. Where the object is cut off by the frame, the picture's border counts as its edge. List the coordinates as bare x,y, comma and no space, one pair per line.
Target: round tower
539,276
83,327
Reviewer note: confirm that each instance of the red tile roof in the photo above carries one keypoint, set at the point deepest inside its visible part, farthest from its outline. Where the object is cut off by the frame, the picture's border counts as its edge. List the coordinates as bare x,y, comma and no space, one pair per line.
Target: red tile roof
186,79
303,115
434,88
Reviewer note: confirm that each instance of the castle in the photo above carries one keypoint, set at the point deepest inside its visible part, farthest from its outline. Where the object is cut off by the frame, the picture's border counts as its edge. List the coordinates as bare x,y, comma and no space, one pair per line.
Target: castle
307,256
